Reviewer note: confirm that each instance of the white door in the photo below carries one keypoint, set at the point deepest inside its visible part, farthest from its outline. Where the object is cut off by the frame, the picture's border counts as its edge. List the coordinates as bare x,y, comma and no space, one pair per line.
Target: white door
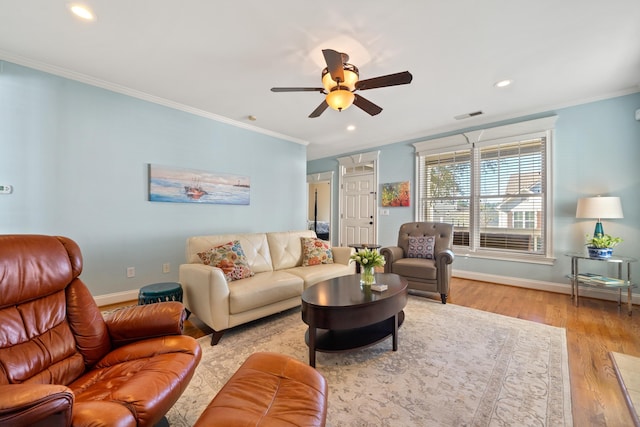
358,214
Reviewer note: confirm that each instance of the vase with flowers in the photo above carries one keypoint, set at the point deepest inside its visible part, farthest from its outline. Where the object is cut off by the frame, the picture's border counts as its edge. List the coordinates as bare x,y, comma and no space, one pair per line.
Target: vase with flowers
368,259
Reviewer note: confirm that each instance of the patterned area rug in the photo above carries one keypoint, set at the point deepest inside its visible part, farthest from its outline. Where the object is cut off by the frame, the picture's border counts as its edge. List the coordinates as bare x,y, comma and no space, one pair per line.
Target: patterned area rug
455,366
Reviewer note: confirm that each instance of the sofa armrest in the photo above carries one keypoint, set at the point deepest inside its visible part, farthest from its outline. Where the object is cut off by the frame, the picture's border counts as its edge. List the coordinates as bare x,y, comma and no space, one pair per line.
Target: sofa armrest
341,254
145,321
391,254
35,405
206,294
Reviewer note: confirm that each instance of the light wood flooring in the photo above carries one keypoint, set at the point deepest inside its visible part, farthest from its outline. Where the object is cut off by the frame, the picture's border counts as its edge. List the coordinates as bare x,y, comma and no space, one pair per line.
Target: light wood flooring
593,329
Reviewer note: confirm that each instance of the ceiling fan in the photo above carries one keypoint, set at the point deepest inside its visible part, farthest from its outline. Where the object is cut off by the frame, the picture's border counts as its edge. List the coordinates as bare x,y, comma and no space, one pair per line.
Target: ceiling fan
340,81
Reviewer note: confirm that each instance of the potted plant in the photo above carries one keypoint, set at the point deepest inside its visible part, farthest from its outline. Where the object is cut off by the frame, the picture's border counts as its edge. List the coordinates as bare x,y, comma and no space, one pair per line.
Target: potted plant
601,246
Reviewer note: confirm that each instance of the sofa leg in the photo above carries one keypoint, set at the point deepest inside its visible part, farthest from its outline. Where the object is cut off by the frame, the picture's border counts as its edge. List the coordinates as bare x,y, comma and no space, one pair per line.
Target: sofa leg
443,297
215,337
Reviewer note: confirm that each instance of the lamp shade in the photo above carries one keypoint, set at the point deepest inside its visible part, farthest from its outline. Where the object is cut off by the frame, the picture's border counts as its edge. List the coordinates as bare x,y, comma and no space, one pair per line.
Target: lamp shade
350,73
599,207
340,99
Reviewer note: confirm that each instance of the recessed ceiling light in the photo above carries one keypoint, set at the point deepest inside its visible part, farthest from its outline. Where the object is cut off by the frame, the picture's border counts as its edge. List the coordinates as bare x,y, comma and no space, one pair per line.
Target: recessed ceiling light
82,11
503,83
351,128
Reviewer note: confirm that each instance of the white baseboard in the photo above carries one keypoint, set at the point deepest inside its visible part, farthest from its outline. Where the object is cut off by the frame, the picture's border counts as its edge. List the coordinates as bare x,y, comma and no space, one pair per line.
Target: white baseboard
561,288
116,298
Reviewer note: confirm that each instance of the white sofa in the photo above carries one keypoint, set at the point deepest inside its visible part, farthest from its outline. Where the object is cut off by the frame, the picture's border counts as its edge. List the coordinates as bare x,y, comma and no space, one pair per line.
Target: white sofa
278,283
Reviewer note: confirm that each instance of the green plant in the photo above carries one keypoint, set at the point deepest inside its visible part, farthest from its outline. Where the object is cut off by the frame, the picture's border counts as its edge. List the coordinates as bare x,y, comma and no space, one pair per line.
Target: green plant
604,241
368,258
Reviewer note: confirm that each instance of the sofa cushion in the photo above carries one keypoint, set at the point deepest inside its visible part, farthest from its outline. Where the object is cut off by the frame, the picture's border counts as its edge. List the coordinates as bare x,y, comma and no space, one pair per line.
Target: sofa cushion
286,248
263,289
254,245
421,247
317,273
230,258
316,251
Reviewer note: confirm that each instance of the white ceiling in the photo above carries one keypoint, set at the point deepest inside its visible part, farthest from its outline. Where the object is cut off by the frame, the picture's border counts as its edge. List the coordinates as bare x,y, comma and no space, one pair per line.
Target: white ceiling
220,59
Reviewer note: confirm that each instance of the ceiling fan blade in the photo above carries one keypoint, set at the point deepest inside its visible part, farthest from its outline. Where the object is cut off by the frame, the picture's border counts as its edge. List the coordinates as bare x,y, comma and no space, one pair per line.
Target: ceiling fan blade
334,64
319,110
366,105
297,89
396,79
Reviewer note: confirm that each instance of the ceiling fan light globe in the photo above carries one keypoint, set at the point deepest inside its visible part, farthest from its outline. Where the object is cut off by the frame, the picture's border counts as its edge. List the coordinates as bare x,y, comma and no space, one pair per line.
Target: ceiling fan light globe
340,98
350,78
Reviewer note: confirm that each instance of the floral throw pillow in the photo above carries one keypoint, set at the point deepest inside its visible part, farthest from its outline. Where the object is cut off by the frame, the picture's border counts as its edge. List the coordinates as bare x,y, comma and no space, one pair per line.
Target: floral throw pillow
316,251
230,258
421,247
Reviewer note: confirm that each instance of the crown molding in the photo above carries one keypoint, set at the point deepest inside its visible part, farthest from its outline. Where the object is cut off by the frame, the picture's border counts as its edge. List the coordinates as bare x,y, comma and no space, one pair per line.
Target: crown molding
113,87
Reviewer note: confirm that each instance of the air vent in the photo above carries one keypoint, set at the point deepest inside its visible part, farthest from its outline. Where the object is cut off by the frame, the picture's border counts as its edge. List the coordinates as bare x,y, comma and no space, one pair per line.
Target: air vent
466,116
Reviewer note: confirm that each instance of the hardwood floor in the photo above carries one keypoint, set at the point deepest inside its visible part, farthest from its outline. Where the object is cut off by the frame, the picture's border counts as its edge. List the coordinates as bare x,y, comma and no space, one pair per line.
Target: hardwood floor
593,329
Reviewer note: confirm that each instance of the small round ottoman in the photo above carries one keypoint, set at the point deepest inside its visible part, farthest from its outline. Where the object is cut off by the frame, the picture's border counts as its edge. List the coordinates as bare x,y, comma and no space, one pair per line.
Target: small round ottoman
159,292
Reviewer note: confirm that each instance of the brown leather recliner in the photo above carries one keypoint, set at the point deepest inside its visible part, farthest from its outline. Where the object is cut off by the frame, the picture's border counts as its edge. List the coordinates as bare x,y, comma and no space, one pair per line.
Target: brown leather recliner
62,364
429,275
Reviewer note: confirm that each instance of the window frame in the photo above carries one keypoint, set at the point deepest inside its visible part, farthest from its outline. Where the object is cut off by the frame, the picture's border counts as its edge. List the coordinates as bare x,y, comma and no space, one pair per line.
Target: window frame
473,141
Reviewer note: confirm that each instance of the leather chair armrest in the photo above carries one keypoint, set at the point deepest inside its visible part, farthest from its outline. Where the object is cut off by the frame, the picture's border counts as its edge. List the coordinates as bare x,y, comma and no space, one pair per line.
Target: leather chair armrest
35,405
391,254
444,257
145,321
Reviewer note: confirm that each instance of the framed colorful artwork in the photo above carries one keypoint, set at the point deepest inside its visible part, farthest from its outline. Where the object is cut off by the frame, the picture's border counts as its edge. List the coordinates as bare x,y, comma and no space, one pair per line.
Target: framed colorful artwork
396,194
178,185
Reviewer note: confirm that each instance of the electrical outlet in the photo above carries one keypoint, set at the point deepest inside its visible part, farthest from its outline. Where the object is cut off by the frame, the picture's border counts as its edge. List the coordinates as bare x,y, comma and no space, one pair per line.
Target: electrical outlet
131,272
166,267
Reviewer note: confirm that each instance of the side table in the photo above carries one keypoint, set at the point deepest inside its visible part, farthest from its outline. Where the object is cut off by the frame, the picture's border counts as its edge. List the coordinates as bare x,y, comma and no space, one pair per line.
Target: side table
577,281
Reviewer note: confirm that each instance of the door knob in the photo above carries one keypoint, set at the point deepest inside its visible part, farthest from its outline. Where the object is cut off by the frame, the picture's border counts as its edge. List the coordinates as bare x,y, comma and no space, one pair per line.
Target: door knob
370,222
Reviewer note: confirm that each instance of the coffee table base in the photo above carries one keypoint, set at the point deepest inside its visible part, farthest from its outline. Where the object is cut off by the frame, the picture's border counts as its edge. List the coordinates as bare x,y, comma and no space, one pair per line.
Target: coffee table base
339,340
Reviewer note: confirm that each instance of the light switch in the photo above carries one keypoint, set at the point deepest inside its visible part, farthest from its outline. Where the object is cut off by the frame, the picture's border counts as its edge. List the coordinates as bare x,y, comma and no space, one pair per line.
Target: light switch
5,189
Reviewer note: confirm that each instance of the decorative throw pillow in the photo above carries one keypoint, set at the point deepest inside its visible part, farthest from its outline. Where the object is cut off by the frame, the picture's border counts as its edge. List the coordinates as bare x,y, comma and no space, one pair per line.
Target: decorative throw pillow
230,258
316,251
421,247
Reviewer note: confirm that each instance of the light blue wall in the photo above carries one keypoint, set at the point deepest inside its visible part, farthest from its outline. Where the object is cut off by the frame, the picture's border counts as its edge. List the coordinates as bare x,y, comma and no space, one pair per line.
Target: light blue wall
596,151
77,158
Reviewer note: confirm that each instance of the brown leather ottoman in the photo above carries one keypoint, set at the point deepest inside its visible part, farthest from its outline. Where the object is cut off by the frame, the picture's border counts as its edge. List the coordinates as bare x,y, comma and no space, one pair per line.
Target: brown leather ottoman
269,389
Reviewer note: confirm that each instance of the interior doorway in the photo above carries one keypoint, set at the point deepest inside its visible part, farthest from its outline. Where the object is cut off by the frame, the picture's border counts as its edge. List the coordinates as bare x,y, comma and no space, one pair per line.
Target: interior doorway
358,199
319,204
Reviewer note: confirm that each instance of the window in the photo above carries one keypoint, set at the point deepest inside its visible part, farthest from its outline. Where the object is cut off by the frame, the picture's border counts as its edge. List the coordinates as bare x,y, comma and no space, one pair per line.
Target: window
492,189
524,219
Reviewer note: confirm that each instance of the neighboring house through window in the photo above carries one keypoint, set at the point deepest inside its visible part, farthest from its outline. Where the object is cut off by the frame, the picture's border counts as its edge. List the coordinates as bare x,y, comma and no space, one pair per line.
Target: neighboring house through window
493,186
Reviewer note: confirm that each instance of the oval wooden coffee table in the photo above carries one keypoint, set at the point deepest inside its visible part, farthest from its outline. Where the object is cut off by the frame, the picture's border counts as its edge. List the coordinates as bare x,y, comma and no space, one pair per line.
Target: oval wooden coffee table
342,316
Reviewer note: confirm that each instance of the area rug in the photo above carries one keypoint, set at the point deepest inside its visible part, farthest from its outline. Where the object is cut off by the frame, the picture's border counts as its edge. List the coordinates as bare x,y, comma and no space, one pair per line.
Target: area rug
628,372
455,366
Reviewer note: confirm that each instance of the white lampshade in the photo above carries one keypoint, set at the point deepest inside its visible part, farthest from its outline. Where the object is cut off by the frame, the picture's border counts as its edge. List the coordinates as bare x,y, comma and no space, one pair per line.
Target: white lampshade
599,207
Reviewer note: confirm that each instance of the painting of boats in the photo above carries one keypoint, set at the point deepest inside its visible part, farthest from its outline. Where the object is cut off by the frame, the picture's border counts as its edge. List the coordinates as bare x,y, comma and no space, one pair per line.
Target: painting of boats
179,185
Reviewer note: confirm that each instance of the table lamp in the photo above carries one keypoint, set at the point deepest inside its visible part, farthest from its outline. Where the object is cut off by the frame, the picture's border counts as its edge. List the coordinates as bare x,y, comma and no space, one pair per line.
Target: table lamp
599,208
